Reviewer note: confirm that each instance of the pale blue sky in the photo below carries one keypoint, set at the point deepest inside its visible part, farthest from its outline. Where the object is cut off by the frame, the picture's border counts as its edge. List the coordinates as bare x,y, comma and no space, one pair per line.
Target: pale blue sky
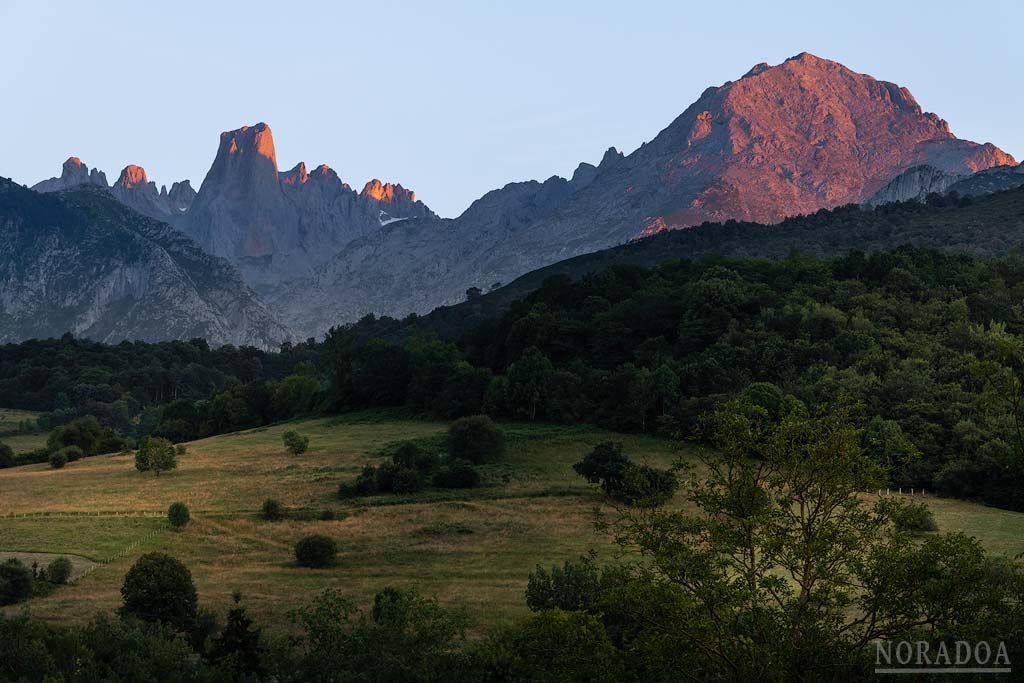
452,99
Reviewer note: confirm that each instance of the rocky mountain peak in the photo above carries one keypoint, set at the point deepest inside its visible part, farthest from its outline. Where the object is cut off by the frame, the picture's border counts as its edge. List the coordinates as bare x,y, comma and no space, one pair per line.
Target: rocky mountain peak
73,173
249,140
132,176
296,176
386,193
610,158
793,138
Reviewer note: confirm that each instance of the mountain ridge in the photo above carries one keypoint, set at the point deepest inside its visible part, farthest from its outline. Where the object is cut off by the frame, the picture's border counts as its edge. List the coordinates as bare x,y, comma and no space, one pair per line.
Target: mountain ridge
80,261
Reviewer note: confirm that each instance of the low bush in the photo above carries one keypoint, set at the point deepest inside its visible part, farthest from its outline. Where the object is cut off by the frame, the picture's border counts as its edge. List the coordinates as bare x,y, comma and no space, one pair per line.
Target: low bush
271,510
476,439
316,551
178,515
59,571
457,474
295,443
623,480
72,453
58,459
914,518
412,456
413,468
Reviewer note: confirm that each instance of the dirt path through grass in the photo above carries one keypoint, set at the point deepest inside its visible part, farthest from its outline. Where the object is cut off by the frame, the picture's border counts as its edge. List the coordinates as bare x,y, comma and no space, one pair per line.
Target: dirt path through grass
80,566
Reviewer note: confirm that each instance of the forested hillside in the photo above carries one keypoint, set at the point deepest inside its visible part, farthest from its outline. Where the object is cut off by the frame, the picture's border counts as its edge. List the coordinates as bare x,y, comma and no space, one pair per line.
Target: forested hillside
987,226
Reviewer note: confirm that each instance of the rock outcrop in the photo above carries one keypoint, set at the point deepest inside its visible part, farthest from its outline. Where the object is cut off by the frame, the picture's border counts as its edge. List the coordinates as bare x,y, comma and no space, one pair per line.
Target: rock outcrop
132,189
73,174
278,226
915,184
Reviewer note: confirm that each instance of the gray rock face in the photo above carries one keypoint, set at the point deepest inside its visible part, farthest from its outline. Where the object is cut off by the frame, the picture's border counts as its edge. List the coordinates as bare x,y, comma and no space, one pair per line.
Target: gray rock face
403,266
73,174
135,190
132,189
915,184
81,262
277,226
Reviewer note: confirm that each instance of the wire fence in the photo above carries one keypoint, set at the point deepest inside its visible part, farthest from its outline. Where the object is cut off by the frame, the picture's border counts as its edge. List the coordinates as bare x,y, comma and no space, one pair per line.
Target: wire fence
107,513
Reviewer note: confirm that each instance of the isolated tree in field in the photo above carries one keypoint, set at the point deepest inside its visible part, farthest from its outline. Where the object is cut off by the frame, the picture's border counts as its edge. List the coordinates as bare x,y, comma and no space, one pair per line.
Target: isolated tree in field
156,454
58,459
295,443
271,510
476,439
316,551
159,588
59,571
178,515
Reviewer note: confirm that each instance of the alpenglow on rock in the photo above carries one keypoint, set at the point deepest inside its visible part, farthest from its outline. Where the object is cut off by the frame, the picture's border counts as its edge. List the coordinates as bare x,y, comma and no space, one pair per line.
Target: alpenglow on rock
279,225
132,188
73,173
782,140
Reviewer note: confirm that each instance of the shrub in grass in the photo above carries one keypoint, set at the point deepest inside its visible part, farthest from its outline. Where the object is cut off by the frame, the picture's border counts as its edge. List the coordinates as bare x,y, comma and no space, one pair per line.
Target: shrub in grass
623,480
457,474
366,482
156,454
316,551
271,510
476,439
72,453
178,515
15,582
412,456
914,518
57,459
408,480
295,443
59,571
181,449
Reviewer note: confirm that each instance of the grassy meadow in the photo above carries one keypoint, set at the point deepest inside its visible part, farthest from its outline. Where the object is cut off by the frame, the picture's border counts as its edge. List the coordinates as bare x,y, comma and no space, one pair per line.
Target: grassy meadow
10,419
471,549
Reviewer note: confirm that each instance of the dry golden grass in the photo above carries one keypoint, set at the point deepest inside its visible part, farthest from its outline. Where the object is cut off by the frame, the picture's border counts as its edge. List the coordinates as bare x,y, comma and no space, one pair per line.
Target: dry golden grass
471,549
